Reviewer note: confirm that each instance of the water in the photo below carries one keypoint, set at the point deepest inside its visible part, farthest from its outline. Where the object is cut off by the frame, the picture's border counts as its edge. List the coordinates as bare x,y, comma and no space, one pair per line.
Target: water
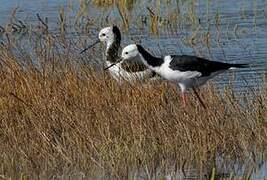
241,37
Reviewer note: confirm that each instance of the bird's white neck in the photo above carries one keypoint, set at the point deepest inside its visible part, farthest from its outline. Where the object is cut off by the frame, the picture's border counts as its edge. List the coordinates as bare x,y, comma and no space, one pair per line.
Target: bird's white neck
109,44
112,50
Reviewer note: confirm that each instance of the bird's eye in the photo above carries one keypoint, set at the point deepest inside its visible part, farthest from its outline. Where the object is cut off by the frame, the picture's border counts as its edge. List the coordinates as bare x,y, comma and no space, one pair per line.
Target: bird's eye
126,52
103,34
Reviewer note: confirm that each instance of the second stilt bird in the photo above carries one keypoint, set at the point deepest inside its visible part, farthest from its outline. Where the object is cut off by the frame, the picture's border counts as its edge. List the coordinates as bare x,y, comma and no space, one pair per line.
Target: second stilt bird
183,70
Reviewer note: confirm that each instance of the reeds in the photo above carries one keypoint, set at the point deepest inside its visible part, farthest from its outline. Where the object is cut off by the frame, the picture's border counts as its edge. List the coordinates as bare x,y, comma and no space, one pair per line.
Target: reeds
64,119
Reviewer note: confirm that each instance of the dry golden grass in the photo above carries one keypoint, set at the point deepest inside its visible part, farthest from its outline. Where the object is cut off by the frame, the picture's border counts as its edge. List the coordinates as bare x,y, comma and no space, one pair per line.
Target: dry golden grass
103,3
60,119
70,121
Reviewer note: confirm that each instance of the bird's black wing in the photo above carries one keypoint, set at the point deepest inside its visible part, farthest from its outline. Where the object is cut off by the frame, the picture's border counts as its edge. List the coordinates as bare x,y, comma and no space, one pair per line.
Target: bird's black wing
194,63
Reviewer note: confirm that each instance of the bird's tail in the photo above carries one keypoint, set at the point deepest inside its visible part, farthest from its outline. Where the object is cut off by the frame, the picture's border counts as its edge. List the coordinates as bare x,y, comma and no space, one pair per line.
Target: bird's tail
234,66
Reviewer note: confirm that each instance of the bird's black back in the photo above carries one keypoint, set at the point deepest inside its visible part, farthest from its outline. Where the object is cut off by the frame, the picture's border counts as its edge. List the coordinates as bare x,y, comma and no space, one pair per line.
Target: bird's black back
193,63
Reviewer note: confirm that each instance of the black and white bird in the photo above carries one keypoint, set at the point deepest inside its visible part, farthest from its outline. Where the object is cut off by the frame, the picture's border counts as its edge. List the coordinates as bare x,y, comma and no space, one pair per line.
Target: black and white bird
130,70
184,70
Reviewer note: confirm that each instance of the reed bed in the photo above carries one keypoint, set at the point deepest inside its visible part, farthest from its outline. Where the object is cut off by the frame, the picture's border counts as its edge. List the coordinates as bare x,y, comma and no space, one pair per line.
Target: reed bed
64,120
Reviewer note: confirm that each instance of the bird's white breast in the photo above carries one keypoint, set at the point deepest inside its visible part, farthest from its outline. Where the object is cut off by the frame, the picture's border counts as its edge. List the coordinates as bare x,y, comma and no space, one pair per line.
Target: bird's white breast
118,73
114,71
174,75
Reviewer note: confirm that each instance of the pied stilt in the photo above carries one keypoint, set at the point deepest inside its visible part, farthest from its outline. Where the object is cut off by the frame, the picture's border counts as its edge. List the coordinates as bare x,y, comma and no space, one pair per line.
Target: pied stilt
186,71
129,70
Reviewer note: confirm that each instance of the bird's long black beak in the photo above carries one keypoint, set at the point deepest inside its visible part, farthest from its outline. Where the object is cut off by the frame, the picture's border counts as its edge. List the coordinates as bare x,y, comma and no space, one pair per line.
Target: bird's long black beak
113,64
90,46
